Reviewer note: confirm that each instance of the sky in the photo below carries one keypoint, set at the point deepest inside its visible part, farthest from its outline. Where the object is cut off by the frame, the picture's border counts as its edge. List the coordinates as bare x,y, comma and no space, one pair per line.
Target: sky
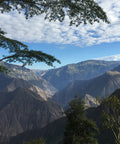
69,44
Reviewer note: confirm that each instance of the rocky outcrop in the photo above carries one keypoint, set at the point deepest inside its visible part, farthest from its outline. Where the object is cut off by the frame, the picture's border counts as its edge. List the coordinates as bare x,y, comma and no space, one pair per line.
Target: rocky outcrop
91,101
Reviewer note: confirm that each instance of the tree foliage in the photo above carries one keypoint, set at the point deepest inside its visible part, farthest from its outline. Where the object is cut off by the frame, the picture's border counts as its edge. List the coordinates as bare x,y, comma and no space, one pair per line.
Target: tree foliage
111,116
78,11
79,129
19,52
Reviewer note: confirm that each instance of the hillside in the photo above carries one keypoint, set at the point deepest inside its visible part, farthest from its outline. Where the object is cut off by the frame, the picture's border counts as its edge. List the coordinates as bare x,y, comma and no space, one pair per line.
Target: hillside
8,84
85,70
53,132
101,86
22,110
30,76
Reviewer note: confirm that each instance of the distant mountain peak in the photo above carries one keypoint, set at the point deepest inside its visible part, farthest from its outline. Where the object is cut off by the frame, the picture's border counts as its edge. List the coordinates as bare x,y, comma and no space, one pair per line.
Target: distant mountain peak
85,70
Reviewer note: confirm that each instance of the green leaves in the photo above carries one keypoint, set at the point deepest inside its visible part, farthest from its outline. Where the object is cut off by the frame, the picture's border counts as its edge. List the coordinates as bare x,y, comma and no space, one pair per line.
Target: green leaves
28,57
78,11
3,69
79,128
111,116
19,52
10,44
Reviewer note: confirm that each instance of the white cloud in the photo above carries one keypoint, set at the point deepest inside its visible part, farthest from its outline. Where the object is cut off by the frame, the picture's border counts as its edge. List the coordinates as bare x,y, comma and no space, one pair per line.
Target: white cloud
109,58
39,30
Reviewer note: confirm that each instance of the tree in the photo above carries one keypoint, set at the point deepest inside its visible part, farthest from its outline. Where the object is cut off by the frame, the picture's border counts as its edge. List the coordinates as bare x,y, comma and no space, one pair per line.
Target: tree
111,116
79,129
37,141
78,11
20,52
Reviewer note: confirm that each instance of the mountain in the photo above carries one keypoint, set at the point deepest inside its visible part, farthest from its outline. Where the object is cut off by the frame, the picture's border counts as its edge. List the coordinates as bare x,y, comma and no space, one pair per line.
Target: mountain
39,72
85,70
101,86
8,84
22,110
116,68
52,133
30,76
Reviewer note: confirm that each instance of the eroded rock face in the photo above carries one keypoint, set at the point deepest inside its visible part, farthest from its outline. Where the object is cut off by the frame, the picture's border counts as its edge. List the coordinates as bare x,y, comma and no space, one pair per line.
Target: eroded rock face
22,109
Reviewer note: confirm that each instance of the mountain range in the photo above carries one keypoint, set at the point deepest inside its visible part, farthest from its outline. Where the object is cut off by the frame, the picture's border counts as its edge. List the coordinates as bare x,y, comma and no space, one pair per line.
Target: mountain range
101,86
26,99
8,84
85,70
53,133
30,76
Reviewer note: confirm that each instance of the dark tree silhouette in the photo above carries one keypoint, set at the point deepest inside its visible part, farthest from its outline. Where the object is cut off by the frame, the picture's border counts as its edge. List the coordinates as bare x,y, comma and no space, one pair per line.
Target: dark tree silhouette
79,129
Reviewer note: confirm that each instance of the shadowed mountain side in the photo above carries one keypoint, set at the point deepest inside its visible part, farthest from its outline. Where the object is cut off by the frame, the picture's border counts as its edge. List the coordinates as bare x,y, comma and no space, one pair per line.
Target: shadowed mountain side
28,75
101,86
106,136
52,133
24,110
85,70
116,68
8,84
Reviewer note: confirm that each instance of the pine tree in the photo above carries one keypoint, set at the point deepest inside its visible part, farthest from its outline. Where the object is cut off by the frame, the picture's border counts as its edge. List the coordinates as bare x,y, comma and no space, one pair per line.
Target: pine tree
79,129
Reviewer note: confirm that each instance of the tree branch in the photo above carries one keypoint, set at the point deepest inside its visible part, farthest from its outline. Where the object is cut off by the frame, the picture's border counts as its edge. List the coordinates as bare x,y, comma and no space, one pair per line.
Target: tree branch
8,57
1,1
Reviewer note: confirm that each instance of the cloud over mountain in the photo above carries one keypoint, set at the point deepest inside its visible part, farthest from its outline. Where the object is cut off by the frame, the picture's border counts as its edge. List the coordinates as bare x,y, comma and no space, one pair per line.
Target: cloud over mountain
110,58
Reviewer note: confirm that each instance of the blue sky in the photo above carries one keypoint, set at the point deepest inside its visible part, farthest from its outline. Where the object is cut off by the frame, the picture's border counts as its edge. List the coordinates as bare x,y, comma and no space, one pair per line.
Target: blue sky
69,53
68,44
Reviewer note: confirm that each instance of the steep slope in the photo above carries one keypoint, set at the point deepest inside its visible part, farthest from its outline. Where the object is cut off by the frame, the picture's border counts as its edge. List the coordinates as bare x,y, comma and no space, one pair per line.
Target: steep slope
85,70
52,133
24,110
116,68
8,84
31,77
101,86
